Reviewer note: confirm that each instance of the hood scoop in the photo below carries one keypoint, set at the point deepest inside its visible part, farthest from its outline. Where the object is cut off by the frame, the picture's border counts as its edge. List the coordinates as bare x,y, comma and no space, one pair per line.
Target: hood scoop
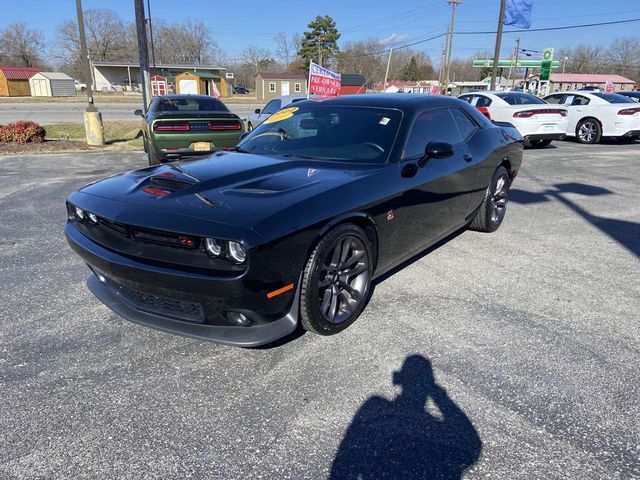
269,186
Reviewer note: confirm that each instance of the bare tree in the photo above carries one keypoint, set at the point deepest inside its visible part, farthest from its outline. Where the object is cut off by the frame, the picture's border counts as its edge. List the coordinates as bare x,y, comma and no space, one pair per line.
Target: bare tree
624,54
258,57
22,46
190,43
287,47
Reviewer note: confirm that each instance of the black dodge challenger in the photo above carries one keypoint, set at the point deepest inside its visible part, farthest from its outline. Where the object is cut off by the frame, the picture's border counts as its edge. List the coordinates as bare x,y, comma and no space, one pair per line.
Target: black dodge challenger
294,224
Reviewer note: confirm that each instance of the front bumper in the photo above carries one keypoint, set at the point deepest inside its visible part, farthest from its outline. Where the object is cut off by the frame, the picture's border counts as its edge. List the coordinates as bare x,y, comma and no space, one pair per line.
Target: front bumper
191,304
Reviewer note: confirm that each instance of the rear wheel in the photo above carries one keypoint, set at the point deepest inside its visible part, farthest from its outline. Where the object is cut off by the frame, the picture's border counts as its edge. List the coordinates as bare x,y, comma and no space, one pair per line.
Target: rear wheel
539,143
494,206
589,131
336,281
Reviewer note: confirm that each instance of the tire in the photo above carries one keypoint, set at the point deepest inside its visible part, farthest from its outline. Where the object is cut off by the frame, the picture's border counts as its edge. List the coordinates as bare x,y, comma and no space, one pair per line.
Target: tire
144,144
589,131
494,205
249,127
153,156
539,143
630,139
336,281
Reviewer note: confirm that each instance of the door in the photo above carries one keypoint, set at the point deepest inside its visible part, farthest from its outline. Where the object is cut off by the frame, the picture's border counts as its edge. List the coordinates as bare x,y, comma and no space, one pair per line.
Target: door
436,196
284,86
187,86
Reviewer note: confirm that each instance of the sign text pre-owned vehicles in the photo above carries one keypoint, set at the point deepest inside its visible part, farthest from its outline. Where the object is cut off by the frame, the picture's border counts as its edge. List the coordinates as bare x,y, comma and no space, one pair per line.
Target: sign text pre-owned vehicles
295,223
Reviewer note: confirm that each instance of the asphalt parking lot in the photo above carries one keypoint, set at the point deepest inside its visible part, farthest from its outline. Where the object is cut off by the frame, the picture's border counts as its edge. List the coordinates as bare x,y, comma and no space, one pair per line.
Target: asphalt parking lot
532,334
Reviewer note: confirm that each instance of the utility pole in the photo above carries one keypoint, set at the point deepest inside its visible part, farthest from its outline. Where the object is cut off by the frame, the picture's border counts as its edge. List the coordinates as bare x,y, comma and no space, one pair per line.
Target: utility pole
92,117
443,62
454,4
515,67
153,50
564,62
496,52
386,74
143,52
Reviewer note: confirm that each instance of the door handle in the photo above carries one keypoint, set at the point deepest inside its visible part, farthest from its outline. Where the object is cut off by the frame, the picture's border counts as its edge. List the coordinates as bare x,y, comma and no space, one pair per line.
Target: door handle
467,157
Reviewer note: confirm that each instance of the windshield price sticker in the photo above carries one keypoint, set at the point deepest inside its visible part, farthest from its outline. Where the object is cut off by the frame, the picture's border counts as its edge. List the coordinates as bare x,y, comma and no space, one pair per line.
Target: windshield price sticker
281,115
384,120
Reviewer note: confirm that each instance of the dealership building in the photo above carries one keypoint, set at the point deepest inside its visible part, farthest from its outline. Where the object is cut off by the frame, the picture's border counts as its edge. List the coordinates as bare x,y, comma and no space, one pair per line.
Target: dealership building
109,76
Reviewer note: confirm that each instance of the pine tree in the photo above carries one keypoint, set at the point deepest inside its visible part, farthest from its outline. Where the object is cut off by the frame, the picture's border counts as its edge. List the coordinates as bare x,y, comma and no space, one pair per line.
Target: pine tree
319,43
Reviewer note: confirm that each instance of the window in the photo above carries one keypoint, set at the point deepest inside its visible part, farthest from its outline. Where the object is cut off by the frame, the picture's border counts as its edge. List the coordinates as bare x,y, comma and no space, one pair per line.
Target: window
613,97
190,104
557,99
515,98
482,101
337,133
431,126
577,100
465,124
296,87
271,107
466,98
272,87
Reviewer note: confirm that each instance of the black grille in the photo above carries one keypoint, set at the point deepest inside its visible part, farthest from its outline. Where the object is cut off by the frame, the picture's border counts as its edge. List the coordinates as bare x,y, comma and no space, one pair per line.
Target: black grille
165,306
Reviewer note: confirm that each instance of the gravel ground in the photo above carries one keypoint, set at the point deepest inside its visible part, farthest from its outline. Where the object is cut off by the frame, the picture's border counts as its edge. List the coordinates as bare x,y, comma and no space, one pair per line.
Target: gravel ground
503,356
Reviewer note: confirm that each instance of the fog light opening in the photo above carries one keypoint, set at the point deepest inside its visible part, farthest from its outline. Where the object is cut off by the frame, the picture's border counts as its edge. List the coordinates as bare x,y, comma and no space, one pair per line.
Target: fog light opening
239,319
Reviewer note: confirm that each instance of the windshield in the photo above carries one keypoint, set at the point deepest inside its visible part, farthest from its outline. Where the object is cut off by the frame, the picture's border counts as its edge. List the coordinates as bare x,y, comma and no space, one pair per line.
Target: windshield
190,104
520,98
351,134
612,97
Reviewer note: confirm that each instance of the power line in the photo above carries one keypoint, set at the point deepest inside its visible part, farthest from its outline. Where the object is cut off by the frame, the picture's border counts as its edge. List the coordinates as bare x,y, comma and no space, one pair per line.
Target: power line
488,32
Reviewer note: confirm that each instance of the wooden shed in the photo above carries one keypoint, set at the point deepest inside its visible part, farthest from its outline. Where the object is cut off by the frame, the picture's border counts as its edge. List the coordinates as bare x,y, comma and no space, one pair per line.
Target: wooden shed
201,83
14,81
52,84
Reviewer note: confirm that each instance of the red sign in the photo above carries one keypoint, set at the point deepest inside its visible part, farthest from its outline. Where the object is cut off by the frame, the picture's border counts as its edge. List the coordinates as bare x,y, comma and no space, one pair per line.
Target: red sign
323,81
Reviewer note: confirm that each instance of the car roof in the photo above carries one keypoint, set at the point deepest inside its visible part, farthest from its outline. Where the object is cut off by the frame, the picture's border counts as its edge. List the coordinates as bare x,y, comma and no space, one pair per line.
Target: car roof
289,97
402,101
176,96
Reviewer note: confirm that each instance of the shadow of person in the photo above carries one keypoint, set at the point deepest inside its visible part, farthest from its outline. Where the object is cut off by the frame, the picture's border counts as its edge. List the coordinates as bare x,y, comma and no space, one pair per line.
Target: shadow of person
421,434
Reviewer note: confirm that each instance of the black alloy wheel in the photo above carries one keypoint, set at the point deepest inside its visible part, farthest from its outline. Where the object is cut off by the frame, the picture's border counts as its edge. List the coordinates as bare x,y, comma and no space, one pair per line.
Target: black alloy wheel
589,131
336,281
494,206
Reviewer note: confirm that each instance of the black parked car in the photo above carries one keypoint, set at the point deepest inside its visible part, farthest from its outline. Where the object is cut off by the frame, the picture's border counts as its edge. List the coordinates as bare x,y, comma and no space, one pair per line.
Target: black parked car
315,203
240,90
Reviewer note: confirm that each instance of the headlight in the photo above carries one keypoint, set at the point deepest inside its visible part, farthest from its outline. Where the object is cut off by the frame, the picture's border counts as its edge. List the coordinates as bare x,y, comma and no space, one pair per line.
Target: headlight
79,213
237,252
92,218
213,246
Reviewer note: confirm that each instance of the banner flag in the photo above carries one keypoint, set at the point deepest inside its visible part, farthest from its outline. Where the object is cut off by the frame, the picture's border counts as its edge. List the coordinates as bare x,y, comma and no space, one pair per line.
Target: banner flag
518,13
323,81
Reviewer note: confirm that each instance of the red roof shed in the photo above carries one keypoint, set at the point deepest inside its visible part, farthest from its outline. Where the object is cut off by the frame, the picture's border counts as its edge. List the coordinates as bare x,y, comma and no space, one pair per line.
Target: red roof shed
14,81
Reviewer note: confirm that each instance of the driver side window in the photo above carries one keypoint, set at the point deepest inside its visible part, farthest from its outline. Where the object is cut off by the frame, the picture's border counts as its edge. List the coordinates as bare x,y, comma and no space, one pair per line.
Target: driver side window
271,107
431,126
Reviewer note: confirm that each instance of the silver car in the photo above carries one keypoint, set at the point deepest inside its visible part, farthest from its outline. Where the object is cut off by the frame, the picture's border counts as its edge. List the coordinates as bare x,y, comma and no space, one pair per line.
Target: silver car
273,106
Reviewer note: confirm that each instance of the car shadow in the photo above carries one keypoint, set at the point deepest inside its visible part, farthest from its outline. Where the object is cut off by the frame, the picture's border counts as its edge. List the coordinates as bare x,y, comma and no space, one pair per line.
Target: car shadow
420,434
624,232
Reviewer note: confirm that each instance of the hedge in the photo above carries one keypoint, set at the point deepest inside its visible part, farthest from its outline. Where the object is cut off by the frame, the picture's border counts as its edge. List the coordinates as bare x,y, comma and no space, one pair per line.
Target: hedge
22,132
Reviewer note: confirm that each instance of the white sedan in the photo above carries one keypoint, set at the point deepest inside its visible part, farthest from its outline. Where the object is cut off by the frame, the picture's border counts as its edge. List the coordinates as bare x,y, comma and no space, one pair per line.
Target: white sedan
593,115
537,122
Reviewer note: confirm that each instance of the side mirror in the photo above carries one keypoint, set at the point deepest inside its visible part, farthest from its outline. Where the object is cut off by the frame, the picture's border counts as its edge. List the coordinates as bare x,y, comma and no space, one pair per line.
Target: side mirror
436,150
138,113
257,110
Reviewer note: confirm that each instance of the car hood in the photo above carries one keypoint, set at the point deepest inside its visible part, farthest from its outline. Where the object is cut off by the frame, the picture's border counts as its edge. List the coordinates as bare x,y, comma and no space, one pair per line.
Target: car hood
228,187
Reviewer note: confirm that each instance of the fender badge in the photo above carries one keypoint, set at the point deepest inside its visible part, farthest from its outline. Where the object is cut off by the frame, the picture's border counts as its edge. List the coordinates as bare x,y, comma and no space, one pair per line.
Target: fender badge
390,215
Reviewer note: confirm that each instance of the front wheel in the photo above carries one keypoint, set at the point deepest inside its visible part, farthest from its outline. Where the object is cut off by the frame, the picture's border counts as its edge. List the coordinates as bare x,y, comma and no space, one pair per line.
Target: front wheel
589,131
494,206
336,281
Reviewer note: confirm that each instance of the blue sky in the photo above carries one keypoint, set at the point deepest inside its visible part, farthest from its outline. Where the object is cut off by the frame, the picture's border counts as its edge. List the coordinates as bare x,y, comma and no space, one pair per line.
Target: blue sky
239,24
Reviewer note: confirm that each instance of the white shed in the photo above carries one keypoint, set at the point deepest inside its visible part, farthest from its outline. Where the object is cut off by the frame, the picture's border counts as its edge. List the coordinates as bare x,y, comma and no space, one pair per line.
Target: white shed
52,84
